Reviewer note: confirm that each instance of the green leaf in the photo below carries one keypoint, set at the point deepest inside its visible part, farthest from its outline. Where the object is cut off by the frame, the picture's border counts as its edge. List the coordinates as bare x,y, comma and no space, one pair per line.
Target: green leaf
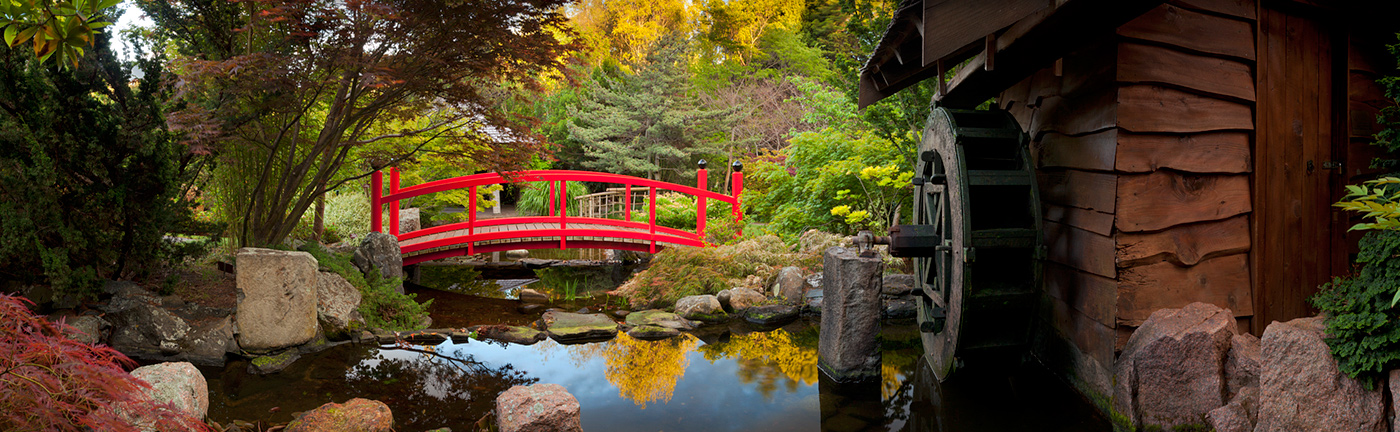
11,31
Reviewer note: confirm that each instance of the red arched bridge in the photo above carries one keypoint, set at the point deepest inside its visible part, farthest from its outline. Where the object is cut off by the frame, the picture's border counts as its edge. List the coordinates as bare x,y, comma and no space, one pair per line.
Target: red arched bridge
557,229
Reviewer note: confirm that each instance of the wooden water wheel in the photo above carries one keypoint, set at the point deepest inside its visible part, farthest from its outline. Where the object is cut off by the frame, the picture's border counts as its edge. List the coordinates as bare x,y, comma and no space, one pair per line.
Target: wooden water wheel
976,237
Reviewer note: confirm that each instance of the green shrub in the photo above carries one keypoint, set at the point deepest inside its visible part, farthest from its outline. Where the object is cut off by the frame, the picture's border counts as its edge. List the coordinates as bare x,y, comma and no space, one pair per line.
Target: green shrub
347,218
380,302
684,271
1363,324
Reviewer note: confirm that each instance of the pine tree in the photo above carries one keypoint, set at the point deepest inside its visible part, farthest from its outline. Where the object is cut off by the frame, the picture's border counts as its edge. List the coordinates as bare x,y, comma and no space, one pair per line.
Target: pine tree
645,123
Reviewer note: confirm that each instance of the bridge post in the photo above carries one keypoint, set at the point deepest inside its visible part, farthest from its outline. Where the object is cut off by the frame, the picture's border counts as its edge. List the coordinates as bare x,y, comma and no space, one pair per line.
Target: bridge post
563,211
376,186
738,181
700,183
394,205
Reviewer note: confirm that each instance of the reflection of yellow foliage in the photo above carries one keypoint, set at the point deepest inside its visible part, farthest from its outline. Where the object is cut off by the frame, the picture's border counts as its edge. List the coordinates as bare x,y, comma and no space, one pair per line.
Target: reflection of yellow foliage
766,357
647,371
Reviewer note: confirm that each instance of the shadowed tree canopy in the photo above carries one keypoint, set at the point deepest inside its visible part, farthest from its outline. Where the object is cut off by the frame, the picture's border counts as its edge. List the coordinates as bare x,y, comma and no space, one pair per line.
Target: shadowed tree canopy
282,93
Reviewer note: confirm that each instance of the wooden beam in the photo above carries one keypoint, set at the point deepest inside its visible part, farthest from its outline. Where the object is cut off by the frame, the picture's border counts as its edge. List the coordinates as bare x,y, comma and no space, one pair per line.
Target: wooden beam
990,53
1036,42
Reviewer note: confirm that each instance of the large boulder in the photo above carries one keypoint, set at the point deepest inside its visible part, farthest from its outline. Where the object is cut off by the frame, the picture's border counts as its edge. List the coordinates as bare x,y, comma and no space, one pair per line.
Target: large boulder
355,415
537,408
276,299
1394,380
789,284
1302,390
1242,364
145,328
701,308
565,327
178,383
87,329
380,252
659,318
337,306
410,220
1169,374
739,299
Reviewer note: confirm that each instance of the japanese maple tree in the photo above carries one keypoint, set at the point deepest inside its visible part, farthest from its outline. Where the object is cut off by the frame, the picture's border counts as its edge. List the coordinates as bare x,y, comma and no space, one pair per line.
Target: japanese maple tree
297,97
51,382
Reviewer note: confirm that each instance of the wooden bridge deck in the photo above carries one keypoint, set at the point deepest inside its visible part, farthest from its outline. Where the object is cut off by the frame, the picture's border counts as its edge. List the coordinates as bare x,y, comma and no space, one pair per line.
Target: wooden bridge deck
526,238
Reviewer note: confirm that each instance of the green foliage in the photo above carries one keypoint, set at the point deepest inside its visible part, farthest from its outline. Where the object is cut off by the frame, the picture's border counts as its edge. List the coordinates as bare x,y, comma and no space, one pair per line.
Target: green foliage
681,272
1374,200
92,180
1363,324
534,198
381,304
57,28
639,124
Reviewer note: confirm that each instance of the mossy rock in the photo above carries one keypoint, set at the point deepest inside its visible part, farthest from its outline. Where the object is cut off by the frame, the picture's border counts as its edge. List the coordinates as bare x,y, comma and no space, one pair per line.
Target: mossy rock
652,332
566,328
719,317
512,334
659,318
770,315
267,364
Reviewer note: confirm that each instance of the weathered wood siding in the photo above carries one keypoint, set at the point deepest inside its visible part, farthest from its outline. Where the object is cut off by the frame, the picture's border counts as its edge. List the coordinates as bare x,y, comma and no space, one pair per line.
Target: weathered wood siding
1143,150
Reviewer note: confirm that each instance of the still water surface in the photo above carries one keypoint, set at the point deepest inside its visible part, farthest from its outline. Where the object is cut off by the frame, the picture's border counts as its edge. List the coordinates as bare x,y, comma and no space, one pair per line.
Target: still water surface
724,378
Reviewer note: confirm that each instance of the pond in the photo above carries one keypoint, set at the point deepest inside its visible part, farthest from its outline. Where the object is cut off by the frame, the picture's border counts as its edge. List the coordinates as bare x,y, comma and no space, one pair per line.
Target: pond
725,378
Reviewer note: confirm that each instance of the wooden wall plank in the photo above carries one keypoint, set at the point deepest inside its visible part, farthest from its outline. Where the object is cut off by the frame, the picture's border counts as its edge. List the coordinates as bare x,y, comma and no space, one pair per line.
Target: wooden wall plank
1089,336
1164,199
1139,63
1185,245
1222,281
1237,8
1093,295
1088,67
1080,249
1044,84
1093,152
1088,220
1148,108
1194,31
1082,114
1212,152
1086,190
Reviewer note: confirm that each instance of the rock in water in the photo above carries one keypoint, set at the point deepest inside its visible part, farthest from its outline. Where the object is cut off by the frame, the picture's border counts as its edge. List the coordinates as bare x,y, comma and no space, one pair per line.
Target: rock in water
276,299
652,332
701,308
849,350
771,315
1302,390
178,383
566,327
513,334
410,220
530,296
1169,374
659,318
143,328
789,284
380,251
538,408
337,304
355,415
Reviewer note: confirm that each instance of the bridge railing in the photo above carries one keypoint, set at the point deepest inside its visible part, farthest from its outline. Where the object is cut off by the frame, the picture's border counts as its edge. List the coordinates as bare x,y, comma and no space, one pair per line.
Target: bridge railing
558,209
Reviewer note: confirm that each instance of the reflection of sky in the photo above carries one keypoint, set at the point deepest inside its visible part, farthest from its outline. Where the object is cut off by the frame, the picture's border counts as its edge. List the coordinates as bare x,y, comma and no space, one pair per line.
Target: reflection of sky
709,397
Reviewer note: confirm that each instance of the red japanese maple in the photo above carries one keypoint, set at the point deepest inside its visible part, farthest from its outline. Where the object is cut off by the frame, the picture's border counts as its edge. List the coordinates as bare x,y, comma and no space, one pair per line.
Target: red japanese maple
51,382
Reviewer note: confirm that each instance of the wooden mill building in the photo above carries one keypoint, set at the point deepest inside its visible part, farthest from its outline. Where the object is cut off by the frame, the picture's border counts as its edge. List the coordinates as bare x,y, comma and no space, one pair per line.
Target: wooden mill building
1186,150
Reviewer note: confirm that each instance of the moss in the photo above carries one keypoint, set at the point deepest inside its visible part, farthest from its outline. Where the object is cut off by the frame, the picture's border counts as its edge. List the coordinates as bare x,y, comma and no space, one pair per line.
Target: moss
708,317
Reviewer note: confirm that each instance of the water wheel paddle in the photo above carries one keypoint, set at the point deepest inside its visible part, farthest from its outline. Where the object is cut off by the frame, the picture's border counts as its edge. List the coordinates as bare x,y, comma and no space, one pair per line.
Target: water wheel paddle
976,237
